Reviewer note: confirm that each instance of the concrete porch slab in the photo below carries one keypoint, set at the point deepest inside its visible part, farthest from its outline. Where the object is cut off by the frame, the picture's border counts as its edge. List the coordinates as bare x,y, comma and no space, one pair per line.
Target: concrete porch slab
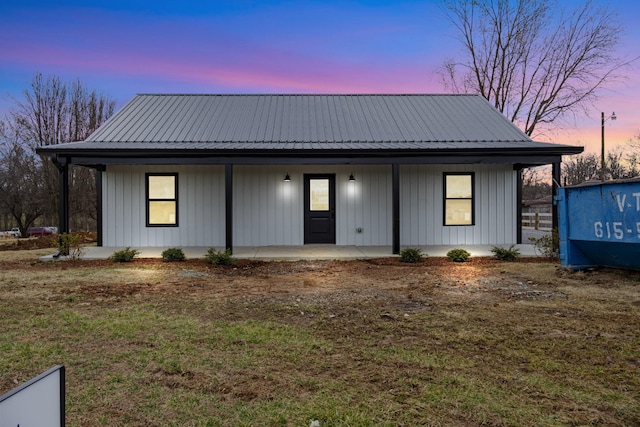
275,253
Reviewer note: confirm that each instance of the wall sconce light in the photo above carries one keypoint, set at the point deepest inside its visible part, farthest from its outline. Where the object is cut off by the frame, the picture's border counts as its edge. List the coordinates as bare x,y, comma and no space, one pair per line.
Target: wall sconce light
287,178
351,177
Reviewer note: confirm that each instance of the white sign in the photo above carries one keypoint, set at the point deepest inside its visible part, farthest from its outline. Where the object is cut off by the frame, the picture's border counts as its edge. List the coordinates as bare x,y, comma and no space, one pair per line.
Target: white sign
37,403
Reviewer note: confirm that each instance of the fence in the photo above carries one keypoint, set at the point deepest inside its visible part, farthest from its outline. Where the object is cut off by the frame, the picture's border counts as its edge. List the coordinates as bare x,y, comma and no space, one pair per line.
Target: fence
537,221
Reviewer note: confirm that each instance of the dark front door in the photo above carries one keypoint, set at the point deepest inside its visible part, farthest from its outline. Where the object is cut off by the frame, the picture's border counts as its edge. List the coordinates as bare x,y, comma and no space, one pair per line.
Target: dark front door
319,208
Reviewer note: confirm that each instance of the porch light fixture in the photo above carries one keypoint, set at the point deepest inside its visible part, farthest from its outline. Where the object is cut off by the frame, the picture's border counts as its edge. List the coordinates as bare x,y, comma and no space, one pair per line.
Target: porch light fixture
351,177
287,178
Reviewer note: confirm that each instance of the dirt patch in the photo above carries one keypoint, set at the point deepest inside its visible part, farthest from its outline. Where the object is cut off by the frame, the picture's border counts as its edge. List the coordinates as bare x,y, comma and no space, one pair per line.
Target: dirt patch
28,244
398,283
478,343
31,243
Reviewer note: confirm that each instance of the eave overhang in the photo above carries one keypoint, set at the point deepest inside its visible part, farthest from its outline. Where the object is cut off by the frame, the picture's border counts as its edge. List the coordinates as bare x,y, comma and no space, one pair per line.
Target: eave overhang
548,153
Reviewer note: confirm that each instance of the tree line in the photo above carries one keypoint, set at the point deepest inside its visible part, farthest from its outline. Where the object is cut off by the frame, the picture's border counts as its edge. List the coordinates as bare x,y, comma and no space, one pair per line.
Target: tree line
49,112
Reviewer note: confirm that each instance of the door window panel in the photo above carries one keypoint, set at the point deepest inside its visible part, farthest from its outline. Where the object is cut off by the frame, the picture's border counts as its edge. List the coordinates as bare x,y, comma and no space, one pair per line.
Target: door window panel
319,194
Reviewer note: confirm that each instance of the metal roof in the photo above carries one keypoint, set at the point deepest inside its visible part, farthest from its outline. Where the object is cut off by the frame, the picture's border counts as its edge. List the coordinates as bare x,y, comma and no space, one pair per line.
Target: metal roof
308,121
328,126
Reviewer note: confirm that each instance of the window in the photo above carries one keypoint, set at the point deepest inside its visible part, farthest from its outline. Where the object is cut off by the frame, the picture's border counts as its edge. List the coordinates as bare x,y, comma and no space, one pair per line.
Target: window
319,194
162,200
458,199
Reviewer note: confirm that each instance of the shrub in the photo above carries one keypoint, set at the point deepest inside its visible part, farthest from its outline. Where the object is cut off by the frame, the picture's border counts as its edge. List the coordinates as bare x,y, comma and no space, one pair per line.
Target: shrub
504,254
124,255
220,258
458,255
173,254
71,245
412,255
547,245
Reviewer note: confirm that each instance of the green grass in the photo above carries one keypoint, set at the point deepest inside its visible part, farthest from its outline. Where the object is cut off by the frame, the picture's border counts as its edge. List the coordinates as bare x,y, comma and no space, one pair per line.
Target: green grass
189,357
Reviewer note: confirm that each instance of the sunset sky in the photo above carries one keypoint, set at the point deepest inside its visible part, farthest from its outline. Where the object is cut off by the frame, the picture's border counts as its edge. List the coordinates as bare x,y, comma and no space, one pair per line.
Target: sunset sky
124,47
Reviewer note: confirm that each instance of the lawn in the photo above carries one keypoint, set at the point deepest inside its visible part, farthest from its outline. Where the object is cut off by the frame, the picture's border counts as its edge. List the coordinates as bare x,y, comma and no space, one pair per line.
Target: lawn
347,343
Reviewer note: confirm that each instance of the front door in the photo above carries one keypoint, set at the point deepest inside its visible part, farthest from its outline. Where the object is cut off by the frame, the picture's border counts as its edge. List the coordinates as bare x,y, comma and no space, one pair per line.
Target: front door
319,208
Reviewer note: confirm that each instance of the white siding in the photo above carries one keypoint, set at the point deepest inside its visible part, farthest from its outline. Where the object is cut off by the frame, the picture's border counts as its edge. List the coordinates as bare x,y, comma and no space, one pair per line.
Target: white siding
200,207
421,206
269,211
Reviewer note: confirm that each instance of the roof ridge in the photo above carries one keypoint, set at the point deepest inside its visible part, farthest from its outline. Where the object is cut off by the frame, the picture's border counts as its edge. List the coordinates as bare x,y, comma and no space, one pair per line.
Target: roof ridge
308,94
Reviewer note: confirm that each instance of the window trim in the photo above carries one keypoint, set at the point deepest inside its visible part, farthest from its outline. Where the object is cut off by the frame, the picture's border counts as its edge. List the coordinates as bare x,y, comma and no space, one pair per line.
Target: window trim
148,200
445,198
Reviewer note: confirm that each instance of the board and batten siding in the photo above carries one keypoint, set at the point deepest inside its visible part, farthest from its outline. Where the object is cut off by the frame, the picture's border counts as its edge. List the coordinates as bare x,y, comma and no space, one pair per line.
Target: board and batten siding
422,198
200,207
269,211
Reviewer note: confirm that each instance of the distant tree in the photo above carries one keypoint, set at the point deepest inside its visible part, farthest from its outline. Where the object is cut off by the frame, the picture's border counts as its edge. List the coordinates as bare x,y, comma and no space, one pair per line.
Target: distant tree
51,112
634,143
622,164
585,167
21,185
535,185
578,169
532,60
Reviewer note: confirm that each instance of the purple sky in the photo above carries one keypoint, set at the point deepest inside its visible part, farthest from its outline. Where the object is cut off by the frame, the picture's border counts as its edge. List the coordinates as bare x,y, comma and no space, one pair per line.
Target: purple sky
124,47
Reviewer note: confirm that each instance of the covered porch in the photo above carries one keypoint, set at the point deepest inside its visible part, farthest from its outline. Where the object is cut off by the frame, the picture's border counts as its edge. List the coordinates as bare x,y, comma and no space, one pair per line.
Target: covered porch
228,156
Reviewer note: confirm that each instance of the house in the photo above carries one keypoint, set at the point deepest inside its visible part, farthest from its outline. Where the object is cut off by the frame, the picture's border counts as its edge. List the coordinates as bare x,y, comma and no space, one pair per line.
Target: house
261,170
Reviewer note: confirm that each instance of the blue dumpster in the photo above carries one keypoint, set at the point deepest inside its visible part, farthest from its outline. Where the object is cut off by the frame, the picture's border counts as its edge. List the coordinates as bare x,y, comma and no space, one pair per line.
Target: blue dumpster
599,224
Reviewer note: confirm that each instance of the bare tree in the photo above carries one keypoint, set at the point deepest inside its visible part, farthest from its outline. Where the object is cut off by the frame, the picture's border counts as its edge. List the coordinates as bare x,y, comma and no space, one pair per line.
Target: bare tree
622,164
21,185
578,169
535,185
534,62
51,112
585,167
634,143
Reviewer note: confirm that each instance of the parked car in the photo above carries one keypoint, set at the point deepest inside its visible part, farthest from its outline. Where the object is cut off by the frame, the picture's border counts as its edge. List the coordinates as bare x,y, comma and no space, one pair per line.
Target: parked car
38,232
15,232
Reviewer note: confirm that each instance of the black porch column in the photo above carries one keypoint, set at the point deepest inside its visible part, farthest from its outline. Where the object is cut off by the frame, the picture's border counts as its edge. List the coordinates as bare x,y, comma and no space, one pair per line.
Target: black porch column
519,207
228,204
395,188
63,194
98,173
555,183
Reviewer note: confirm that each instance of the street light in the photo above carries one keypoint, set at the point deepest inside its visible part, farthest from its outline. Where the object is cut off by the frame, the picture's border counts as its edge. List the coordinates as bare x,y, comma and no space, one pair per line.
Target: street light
612,117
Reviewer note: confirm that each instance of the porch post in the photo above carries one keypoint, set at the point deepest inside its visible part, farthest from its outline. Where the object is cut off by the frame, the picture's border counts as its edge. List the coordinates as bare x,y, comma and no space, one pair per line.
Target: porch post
98,173
519,206
395,186
63,194
228,203
555,174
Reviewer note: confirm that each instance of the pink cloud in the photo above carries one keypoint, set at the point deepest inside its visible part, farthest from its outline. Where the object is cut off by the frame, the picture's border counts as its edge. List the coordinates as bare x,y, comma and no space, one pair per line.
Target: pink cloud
271,70
266,52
